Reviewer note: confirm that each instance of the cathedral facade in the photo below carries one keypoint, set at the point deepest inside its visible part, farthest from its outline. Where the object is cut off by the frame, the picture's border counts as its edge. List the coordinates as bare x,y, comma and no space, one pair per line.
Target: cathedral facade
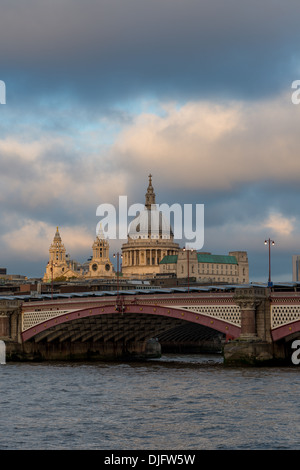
150,239
100,265
58,265
150,250
61,267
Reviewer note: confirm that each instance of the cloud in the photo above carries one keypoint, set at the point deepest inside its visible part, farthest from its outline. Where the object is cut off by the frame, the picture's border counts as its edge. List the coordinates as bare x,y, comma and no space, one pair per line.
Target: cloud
249,235
10,148
108,51
102,93
238,158
279,224
32,240
51,173
214,146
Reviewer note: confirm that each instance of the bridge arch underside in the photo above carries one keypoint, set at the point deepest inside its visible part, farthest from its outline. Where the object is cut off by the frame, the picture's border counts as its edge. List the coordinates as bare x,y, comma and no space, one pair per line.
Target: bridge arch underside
287,332
108,329
135,322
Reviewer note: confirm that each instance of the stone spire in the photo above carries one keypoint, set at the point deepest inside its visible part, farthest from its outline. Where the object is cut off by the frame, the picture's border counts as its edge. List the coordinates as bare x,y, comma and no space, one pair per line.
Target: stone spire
57,235
57,251
100,233
150,195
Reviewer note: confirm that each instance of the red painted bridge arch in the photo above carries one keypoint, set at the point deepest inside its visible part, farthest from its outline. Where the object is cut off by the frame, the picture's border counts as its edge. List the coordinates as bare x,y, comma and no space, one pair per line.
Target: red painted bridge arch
59,322
285,331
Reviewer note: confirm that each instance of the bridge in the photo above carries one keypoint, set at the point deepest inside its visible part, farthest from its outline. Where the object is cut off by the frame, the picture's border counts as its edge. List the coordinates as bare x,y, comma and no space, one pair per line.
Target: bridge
255,322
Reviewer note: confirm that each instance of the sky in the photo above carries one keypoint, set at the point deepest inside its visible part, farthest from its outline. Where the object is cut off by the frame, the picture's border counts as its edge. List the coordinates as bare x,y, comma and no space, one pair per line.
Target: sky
101,93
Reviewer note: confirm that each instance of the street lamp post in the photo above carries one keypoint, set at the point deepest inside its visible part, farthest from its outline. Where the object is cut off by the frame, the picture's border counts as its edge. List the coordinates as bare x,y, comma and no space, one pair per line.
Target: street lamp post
269,242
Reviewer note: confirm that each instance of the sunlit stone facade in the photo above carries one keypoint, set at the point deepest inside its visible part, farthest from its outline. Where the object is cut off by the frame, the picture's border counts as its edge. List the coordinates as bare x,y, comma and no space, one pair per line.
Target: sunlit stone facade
150,239
58,266
205,267
150,250
100,265
61,267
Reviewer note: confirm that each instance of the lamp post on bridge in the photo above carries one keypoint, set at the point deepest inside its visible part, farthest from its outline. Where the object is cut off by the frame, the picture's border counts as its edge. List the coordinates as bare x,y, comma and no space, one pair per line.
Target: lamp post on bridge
269,242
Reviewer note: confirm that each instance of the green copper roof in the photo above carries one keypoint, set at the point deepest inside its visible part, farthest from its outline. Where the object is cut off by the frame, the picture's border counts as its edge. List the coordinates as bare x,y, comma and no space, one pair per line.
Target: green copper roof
219,259
203,258
169,259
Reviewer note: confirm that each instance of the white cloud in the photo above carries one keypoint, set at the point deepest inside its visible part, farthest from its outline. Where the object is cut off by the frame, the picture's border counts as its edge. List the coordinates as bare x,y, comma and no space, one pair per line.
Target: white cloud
214,146
27,151
50,171
279,224
198,146
32,240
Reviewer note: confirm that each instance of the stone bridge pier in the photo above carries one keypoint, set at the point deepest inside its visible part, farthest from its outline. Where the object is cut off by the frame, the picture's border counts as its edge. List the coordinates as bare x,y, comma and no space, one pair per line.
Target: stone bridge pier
255,344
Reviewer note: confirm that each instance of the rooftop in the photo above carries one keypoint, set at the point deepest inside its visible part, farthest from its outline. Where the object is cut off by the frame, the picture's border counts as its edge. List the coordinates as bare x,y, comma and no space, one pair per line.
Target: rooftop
276,287
203,258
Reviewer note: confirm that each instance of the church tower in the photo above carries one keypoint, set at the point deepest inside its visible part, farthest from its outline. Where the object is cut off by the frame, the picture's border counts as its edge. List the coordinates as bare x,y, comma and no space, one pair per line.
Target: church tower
58,265
100,265
57,251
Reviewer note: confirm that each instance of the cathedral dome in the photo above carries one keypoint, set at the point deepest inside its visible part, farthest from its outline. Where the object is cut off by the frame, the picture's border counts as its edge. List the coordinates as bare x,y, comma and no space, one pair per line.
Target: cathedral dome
150,239
150,223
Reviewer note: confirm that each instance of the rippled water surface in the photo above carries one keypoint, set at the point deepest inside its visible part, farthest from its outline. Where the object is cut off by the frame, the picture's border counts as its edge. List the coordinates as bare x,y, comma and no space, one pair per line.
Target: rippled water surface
176,402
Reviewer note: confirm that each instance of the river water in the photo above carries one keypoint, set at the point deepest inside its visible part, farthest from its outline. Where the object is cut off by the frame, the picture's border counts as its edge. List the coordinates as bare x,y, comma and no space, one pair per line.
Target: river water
189,402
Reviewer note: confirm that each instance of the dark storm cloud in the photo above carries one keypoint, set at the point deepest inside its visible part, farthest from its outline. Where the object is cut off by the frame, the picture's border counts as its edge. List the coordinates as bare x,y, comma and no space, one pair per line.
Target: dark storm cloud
70,134
114,49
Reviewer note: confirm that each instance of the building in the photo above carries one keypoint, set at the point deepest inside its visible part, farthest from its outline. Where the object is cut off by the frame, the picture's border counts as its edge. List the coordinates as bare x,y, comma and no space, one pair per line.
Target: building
59,264
207,268
296,268
100,265
150,251
150,239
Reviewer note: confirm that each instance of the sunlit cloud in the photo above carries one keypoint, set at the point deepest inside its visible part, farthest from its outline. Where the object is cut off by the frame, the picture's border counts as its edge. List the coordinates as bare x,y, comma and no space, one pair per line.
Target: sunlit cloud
279,224
31,242
214,146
